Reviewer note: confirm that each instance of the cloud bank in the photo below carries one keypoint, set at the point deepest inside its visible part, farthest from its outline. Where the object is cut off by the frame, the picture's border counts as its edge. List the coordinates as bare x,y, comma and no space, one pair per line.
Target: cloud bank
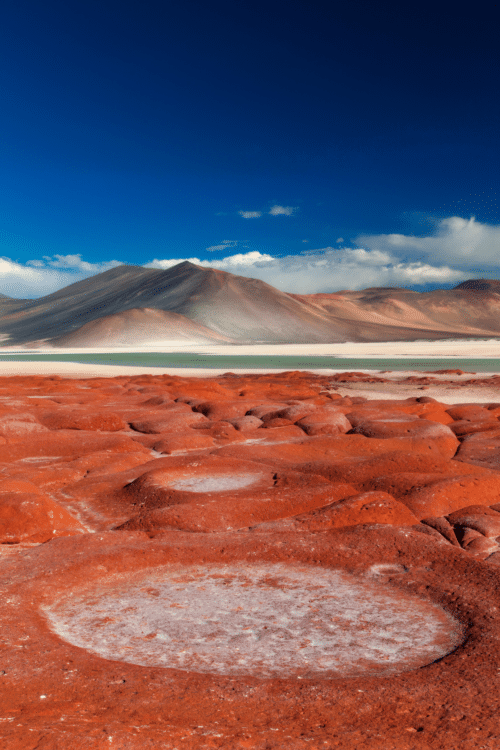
465,243
37,278
457,249
327,270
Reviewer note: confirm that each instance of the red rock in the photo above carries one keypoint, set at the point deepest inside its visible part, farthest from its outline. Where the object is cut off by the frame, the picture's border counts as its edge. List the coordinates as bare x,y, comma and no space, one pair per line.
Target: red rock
428,472
471,510
355,377
99,422
184,443
429,531
48,478
400,484
158,401
64,443
483,452
444,527
388,428
374,414
481,546
487,525
469,412
367,508
384,472
307,489
465,427
14,426
279,433
294,412
324,422
217,411
94,696
445,496
246,424
466,535
437,415
265,411
232,512
222,432
28,515
162,485
169,422
104,464
271,423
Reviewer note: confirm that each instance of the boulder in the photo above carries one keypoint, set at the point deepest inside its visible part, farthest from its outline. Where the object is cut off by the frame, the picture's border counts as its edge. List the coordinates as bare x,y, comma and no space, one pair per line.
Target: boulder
447,495
27,514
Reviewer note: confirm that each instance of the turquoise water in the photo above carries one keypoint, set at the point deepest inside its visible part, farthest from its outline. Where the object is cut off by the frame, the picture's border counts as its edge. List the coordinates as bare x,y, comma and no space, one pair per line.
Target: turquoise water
262,361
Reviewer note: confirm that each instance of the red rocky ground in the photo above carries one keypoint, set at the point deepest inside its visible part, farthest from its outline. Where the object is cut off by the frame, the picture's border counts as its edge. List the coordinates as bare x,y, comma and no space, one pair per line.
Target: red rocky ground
247,562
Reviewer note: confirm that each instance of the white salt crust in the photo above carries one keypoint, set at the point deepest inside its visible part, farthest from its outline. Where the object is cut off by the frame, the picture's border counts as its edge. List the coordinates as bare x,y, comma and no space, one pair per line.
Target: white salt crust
215,482
258,620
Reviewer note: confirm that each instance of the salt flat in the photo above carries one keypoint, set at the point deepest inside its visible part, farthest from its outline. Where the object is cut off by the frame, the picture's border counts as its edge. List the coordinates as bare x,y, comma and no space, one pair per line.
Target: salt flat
463,349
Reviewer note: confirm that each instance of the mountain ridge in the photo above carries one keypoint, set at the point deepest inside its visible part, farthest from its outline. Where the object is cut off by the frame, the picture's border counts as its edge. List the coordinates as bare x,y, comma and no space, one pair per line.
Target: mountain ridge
220,307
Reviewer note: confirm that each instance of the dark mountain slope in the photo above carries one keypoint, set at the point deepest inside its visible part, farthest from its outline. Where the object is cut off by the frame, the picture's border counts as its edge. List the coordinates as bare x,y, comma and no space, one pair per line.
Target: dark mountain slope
234,306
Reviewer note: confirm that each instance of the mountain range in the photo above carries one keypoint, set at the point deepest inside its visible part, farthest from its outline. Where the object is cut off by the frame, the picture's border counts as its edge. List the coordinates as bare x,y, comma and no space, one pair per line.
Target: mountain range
132,305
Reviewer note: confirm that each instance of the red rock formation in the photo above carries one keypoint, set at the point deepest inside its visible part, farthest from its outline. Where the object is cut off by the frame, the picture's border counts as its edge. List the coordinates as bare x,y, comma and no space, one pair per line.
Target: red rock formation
105,483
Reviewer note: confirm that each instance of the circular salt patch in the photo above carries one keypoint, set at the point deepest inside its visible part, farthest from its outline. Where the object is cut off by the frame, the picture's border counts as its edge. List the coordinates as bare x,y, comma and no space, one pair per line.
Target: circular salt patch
214,482
262,620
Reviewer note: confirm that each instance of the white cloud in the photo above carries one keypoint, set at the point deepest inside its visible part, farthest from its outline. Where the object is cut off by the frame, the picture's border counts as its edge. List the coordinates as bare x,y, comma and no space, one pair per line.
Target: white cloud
243,260
73,262
250,214
328,269
36,278
240,260
282,211
273,211
457,249
463,243
225,245
171,262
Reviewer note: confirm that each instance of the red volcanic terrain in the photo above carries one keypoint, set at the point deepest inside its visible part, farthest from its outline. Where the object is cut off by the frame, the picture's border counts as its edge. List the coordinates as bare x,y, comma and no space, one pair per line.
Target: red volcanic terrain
248,562
136,306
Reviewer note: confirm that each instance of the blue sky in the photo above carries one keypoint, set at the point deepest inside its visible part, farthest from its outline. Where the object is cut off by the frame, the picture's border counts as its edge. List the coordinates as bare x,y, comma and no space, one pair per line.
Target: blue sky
316,145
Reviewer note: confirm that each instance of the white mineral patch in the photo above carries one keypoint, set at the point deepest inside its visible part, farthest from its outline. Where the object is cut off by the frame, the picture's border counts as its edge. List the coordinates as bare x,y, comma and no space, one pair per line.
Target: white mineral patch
262,620
214,482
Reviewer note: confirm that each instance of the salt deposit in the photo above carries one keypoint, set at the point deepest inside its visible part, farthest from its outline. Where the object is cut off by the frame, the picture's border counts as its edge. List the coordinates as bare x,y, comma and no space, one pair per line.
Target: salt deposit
217,483
264,620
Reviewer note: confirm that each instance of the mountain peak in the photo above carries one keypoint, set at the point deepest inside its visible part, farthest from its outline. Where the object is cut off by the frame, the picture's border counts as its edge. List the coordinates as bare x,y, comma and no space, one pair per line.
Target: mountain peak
480,285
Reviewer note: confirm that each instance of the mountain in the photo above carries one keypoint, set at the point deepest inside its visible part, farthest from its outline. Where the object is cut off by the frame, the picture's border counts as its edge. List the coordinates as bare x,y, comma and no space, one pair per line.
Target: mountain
8,304
132,305
140,327
246,310
470,309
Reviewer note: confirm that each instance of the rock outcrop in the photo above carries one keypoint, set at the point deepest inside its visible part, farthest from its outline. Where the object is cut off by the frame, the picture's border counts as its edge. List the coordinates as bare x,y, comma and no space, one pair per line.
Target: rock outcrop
246,562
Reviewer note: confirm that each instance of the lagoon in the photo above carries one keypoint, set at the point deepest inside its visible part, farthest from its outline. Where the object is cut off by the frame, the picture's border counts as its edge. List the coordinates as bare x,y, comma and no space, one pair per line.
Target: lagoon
259,362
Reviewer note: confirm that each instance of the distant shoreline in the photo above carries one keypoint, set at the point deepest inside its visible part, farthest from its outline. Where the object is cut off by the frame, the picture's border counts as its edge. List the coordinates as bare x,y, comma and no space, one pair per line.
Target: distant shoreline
198,363
383,350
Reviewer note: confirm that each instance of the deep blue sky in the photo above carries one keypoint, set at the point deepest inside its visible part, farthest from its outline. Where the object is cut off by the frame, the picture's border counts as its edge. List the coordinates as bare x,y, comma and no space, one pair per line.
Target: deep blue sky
138,131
